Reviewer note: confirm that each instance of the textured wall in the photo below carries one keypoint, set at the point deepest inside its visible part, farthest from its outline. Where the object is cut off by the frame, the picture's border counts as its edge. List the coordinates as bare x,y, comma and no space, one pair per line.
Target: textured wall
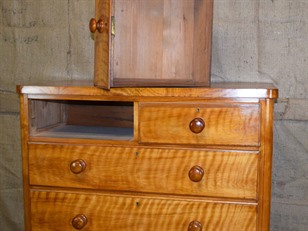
253,41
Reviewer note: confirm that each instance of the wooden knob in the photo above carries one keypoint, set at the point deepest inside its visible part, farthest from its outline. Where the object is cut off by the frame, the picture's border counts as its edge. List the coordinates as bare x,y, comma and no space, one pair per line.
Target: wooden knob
196,173
195,226
99,26
197,125
78,166
79,221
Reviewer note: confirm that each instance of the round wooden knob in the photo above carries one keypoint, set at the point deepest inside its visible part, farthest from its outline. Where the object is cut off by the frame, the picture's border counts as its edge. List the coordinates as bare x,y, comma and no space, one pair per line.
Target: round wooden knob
196,173
79,221
78,166
195,226
99,26
197,125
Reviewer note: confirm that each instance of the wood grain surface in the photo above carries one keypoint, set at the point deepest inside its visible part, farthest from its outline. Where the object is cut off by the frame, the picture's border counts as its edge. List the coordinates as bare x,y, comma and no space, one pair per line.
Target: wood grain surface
227,174
225,124
162,43
53,210
195,157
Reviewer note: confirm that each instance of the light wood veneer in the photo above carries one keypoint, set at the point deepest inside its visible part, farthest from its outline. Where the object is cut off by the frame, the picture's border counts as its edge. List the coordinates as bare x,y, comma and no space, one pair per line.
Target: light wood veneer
191,158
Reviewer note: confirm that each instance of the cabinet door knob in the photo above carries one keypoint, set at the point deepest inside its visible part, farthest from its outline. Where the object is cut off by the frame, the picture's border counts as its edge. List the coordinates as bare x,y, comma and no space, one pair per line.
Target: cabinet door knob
79,221
78,166
99,25
197,125
196,173
195,226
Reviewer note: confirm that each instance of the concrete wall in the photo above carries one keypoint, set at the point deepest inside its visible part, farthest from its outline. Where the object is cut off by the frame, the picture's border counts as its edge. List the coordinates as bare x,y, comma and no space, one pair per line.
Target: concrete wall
253,41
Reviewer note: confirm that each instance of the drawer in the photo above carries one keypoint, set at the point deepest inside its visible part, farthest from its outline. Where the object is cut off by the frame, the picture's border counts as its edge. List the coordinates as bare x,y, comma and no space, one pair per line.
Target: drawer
200,123
231,174
64,211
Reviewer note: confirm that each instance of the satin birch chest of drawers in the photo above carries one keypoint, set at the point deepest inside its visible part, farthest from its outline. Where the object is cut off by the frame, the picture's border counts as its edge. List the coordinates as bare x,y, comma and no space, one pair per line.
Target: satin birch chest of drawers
147,159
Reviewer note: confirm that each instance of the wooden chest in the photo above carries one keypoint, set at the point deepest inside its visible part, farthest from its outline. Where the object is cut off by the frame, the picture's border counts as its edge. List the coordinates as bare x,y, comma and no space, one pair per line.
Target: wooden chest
147,158
152,42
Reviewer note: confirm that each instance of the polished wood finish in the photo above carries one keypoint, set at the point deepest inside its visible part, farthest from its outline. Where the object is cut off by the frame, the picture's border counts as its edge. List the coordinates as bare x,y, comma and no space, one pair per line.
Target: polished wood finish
153,43
77,90
162,175
156,170
225,124
265,180
24,125
102,43
52,210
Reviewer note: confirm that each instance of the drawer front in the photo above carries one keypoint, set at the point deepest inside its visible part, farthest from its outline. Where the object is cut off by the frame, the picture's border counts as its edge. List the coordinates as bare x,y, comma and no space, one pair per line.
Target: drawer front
62,211
159,170
200,123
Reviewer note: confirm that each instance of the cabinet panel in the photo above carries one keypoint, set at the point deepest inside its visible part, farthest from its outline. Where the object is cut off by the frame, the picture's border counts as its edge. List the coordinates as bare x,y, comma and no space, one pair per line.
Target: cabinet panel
56,210
200,123
172,171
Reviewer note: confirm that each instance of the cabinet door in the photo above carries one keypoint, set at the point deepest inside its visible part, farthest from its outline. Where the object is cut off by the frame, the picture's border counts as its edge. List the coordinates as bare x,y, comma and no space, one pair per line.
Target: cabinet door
153,43
102,24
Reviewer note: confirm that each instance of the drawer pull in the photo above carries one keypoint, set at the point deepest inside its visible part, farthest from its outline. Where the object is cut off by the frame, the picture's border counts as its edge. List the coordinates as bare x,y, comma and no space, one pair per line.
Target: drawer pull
79,221
78,166
196,173
99,25
197,125
195,226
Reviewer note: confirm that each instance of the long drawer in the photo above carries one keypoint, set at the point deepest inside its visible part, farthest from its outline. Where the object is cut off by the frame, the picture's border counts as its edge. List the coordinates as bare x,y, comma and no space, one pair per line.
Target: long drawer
231,174
70,211
200,123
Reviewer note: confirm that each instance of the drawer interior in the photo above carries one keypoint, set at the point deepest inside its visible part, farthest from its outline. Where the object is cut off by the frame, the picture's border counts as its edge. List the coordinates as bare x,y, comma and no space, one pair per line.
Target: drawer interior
82,119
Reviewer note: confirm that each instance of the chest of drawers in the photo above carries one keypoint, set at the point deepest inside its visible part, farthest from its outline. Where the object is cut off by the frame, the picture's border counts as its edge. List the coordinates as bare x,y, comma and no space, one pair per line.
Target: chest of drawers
147,158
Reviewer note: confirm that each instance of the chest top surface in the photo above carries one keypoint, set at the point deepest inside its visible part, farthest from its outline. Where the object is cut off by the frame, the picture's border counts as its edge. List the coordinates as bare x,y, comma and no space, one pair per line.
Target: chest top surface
217,90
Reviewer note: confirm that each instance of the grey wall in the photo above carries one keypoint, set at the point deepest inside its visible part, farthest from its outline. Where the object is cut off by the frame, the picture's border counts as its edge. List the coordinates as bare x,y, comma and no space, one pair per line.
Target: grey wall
253,41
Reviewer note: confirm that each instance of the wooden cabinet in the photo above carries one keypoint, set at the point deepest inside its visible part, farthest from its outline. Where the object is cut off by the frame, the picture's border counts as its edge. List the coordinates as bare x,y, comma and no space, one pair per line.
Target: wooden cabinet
147,158
152,43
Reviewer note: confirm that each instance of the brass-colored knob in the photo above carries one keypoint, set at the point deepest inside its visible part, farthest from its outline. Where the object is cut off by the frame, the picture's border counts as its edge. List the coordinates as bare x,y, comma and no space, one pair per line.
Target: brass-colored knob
195,226
197,125
99,26
79,221
78,166
196,173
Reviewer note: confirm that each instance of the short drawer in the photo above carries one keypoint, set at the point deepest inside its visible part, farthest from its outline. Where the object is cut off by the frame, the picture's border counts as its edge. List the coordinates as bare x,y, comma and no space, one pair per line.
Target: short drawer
200,123
231,174
69,211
